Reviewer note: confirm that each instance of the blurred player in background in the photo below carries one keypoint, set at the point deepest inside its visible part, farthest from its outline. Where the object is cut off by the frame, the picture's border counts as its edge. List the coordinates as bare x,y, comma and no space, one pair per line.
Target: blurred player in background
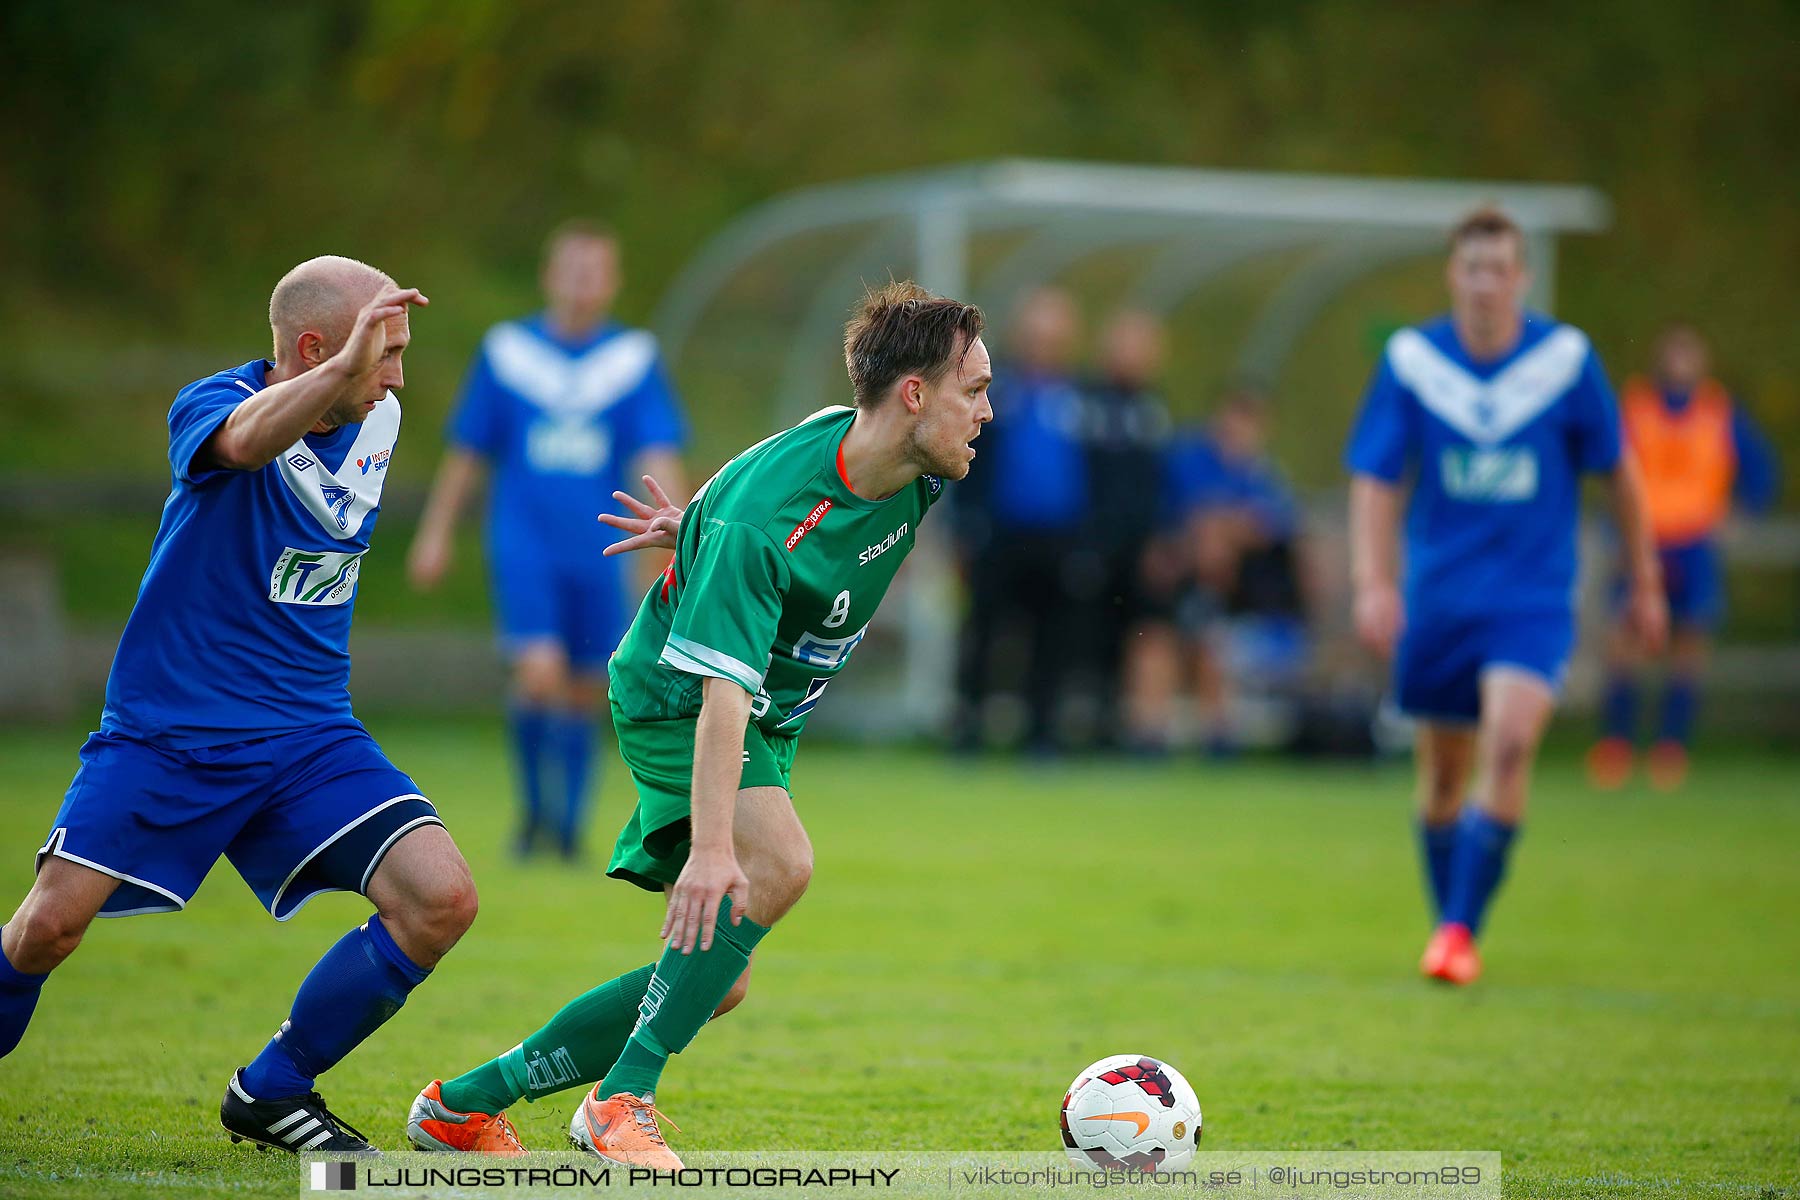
227,728
1698,452
564,406
1017,520
1126,427
780,563
1492,414
1225,580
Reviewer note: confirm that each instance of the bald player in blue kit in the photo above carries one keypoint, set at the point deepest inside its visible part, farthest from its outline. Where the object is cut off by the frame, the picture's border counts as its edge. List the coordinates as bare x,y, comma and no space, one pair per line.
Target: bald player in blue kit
227,729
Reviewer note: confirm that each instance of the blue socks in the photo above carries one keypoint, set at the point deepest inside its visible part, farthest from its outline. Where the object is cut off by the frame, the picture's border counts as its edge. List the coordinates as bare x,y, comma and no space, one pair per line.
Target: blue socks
552,743
1619,708
361,982
1437,844
1476,866
1681,699
530,729
18,996
575,737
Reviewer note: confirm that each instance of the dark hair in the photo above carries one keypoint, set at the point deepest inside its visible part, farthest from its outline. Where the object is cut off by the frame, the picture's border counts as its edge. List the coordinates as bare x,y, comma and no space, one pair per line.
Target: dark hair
1487,221
577,229
902,329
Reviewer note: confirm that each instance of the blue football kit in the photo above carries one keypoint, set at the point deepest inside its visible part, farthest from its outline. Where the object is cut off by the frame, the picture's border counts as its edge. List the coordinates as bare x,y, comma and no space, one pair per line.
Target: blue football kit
227,731
227,727
560,421
1495,452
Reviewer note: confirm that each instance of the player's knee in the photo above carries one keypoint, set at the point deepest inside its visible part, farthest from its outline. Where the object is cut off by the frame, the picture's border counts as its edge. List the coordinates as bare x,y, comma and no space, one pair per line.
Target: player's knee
735,996
1512,751
47,934
442,914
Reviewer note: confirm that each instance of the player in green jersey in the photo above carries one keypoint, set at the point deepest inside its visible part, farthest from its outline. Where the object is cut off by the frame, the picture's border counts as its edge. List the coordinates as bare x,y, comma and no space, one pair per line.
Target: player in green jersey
780,562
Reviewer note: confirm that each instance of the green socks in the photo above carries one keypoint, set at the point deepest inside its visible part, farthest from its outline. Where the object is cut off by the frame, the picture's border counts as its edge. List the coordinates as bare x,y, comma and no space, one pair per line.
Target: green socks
574,1047
680,999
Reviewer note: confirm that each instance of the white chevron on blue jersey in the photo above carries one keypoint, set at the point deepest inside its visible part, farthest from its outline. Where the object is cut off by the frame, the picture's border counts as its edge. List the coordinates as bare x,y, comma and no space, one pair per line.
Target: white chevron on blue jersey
1491,411
568,385
339,500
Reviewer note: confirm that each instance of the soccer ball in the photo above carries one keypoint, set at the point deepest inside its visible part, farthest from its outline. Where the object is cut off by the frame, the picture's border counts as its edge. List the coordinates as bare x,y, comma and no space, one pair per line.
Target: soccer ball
1131,1111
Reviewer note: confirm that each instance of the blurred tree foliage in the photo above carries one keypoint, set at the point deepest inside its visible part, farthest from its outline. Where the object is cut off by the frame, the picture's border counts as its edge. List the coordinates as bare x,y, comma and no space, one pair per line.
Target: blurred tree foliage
161,164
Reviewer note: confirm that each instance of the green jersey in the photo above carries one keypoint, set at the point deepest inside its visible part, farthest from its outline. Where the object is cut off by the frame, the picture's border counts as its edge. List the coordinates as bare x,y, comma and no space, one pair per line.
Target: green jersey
778,569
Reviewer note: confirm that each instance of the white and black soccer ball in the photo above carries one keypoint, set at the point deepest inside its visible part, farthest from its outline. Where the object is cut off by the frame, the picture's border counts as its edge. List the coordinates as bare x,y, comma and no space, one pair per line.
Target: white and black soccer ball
1131,1111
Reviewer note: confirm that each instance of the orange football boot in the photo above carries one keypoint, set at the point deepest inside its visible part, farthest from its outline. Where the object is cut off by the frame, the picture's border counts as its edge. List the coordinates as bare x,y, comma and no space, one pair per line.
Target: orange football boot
432,1126
622,1129
1667,765
1609,764
1451,956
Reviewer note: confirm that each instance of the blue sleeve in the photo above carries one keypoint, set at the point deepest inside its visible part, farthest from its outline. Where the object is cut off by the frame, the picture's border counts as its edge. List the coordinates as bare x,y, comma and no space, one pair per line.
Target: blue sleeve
1597,434
199,409
1758,480
650,418
1384,440
476,417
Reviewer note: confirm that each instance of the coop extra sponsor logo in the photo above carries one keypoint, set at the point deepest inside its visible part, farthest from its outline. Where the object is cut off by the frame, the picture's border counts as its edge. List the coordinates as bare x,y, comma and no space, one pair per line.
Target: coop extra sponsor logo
809,524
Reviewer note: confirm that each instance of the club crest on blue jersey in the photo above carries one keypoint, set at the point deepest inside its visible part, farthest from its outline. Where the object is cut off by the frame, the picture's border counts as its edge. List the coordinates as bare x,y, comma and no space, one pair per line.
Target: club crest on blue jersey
338,498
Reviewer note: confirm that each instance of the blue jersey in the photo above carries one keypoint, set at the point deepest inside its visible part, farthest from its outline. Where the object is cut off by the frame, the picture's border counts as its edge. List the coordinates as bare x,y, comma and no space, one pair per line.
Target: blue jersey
1037,469
241,627
561,422
1496,450
1200,477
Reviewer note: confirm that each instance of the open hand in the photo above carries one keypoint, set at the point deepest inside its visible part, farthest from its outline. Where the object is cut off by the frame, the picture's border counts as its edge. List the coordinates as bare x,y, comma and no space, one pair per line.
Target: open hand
367,343
648,528
694,900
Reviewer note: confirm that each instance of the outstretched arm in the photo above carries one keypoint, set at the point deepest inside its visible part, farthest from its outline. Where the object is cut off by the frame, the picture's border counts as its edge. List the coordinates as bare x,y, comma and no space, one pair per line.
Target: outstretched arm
275,418
647,528
1647,610
712,871
1375,562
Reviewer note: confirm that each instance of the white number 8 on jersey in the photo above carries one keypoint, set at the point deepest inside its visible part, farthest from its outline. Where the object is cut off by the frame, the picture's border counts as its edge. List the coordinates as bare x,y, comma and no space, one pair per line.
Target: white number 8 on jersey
840,611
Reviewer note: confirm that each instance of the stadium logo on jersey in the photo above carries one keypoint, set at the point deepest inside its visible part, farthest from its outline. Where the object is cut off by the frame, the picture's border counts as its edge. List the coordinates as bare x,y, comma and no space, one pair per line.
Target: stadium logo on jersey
1499,476
315,577
809,524
884,545
299,462
377,461
337,499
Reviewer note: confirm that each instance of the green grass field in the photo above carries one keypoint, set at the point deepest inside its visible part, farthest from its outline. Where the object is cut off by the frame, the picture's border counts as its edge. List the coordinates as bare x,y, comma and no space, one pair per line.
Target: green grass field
977,933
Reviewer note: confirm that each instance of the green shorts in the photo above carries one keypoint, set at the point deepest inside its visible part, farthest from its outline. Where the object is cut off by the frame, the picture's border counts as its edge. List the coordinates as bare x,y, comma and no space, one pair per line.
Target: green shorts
653,846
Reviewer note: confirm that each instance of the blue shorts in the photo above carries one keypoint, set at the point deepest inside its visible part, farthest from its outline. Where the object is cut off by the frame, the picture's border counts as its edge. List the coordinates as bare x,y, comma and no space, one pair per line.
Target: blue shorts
580,608
1694,580
296,813
1440,662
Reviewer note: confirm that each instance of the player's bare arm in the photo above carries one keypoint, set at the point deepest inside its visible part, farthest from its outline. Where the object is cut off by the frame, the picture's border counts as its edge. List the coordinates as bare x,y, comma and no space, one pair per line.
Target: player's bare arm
1647,610
650,526
356,374
458,477
1375,562
712,871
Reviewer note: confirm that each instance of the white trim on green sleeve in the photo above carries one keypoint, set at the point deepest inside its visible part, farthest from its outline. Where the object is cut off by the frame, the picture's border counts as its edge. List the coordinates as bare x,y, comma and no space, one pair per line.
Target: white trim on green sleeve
695,659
